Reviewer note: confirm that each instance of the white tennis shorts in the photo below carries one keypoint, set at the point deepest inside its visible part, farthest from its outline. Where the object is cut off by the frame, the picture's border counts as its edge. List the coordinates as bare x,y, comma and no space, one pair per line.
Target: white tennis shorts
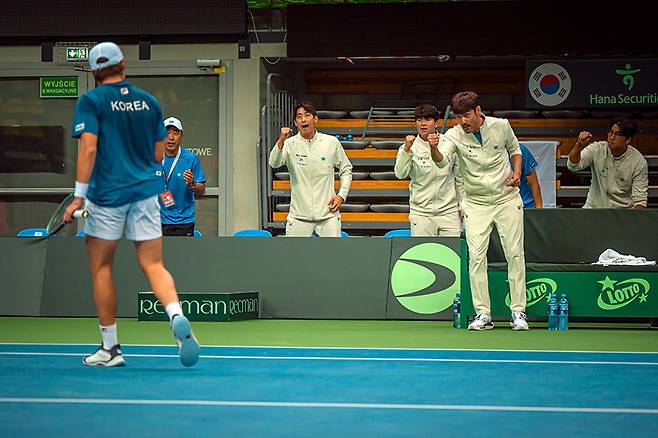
140,220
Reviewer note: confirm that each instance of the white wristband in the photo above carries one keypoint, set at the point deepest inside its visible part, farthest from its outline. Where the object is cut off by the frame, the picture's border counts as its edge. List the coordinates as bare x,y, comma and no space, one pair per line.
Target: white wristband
81,189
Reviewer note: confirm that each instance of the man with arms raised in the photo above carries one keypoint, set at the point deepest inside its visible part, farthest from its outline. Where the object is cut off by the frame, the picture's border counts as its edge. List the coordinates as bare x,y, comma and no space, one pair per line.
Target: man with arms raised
433,196
311,158
484,146
620,174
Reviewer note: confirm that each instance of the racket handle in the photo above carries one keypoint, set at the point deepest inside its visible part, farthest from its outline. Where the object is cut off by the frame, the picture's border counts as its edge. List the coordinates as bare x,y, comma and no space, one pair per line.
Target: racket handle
80,213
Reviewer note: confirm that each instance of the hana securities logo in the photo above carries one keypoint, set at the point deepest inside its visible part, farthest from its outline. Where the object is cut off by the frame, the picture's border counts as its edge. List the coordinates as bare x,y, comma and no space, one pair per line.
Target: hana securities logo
537,290
617,294
627,75
426,278
549,84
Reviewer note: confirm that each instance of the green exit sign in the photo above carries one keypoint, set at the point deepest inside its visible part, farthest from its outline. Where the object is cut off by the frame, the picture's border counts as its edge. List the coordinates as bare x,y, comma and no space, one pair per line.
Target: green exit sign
58,86
77,54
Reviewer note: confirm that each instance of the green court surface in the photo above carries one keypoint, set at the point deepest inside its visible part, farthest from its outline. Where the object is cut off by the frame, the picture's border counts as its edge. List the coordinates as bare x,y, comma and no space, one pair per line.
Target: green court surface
340,333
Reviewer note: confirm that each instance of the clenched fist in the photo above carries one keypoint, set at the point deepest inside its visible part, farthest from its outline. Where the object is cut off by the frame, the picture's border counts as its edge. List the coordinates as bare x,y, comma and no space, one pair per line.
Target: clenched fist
285,133
408,141
433,139
584,139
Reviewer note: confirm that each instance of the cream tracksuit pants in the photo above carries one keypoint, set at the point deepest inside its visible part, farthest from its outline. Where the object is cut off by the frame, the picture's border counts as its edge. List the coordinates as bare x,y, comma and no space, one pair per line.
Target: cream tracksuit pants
446,225
478,221
324,228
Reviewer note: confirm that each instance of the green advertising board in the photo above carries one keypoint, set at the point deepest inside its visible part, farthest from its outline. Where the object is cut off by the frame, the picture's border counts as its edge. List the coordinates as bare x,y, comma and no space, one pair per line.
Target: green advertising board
208,307
58,86
595,294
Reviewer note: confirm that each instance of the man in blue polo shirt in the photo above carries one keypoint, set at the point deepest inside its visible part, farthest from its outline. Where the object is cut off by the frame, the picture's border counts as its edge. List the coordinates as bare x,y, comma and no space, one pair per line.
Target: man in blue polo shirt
121,142
529,187
181,180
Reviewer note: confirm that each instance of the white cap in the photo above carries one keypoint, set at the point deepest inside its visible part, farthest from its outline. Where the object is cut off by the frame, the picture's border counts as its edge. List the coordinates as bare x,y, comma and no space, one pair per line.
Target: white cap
104,55
173,121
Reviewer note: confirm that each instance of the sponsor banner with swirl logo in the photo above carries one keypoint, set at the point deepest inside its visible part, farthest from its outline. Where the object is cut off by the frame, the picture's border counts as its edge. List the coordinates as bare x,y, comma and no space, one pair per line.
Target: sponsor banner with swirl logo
426,274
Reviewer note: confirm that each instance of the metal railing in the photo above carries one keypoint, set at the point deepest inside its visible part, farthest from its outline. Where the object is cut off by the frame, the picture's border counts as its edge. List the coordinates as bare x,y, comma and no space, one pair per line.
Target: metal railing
275,114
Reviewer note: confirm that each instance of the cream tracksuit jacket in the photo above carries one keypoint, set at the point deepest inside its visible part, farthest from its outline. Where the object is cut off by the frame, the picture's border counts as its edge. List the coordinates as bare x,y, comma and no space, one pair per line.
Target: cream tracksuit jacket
311,165
433,190
484,167
617,182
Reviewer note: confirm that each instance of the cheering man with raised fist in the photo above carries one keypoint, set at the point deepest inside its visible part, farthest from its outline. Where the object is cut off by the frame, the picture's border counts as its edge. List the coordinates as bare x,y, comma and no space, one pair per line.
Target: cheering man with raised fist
311,158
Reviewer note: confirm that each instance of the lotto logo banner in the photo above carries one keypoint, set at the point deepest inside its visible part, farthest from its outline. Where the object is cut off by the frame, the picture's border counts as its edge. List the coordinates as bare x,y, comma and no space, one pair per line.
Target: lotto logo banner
616,294
538,290
590,293
220,306
592,84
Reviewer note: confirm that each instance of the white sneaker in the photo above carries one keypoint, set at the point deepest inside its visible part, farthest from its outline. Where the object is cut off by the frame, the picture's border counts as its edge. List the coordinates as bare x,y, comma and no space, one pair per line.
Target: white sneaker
518,321
105,358
481,322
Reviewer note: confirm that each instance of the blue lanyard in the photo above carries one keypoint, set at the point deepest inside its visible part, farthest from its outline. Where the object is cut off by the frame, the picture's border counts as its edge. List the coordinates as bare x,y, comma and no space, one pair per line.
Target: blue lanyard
166,175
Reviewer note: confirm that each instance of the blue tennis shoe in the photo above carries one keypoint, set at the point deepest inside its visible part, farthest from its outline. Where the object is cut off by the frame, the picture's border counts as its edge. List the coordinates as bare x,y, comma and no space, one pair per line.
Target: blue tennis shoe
188,346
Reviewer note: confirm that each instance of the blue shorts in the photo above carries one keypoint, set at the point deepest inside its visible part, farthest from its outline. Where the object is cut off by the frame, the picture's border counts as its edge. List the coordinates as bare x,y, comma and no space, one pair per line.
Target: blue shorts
140,220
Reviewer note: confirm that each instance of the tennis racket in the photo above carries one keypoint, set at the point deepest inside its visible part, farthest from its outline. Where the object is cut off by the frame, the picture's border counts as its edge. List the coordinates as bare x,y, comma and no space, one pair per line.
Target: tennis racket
56,221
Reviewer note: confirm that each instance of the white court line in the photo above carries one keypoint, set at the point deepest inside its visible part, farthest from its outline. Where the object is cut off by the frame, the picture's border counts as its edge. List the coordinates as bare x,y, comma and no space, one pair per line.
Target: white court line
349,348
355,359
275,404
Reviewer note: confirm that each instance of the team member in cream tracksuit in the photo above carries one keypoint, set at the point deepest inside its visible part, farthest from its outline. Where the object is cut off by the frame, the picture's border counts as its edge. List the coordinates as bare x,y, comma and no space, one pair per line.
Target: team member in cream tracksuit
311,158
433,200
484,147
619,171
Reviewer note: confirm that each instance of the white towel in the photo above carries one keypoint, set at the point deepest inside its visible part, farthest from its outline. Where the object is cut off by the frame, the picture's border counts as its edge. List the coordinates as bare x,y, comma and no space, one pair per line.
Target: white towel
612,257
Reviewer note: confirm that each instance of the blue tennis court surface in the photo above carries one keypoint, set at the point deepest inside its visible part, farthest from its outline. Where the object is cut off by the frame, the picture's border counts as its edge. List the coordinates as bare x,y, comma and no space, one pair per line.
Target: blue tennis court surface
256,391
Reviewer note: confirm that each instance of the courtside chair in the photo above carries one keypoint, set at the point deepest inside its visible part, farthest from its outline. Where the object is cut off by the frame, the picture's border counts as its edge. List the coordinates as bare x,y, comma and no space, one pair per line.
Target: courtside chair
32,232
197,233
398,233
252,233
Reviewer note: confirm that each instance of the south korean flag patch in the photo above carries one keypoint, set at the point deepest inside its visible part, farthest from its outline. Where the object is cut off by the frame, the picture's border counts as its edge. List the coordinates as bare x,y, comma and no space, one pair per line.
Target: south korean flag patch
124,91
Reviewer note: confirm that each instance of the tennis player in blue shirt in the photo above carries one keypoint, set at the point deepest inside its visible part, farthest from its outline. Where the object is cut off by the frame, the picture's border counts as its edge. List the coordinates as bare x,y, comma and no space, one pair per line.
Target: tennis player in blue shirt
181,179
121,142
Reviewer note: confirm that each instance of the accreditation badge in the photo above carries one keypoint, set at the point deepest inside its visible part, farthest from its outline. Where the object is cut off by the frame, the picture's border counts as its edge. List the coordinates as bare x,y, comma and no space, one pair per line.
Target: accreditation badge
167,199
